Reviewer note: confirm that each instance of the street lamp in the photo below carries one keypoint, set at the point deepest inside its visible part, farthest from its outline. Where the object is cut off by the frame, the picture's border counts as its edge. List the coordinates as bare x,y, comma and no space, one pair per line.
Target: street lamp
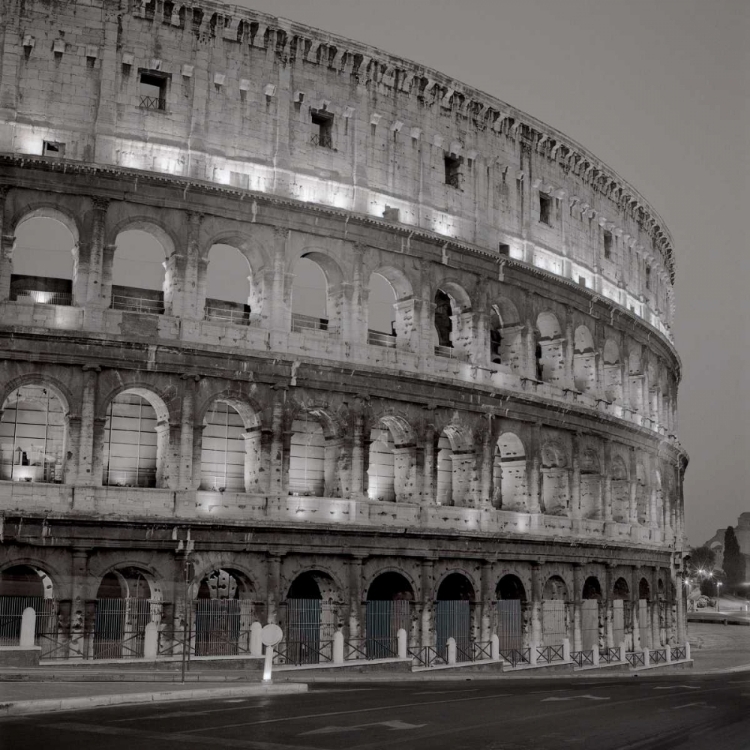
186,547
718,594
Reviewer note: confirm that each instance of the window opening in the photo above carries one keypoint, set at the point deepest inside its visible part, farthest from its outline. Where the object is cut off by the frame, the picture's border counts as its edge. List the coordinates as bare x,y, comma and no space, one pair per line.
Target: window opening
608,245
582,280
453,176
545,206
504,249
152,89
307,458
648,277
223,450
53,148
323,122
130,442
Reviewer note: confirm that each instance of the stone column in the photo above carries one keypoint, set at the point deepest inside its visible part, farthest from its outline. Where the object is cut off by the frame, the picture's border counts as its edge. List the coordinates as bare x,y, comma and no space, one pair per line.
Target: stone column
529,338
680,589
654,606
577,605
486,491
488,596
274,593
277,444
569,352
427,602
86,444
607,480
79,598
534,468
635,604
429,493
536,605
358,462
96,252
187,418
609,583
356,629
7,243
105,285
575,484
633,488
280,298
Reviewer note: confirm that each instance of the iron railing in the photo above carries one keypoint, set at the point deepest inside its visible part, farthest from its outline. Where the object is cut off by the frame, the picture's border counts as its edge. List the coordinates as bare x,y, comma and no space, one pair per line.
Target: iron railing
454,180
425,656
549,654
451,353
658,656
114,477
151,102
222,626
516,656
481,650
302,323
303,652
609,655
583,657
40,297
636,659
376,338
324,140
138,305
678,653
227,315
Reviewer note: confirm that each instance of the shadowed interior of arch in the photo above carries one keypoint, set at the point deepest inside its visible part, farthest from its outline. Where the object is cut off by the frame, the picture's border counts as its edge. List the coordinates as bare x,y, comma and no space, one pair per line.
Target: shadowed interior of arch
381,320
228,285
309,296
138,273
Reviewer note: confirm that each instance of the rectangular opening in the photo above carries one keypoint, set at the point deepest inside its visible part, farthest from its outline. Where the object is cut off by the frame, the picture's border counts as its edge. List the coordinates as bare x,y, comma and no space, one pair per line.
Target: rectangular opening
152,89
323,128
545,208
53,148
582,280
607,244
453,176
648,277
503,249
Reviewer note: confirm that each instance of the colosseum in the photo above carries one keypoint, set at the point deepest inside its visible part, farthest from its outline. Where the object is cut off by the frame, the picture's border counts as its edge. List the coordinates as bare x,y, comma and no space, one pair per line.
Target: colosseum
295,331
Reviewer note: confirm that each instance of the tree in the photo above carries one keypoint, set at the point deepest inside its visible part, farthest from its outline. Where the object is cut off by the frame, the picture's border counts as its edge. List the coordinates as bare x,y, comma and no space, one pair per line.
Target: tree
734,561
701,558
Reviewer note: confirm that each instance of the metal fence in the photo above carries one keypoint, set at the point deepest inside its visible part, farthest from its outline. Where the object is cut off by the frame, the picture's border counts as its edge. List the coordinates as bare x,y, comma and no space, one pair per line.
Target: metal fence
138,305
425,656
609,655
516,656
301,323
11,612
120,627
376,338
549,654
658,656
226,315
583,658
41,297
589,624
554,629
453,620
451,353
151,102
308,637
636,659
222,626
679,653
383,619
509,624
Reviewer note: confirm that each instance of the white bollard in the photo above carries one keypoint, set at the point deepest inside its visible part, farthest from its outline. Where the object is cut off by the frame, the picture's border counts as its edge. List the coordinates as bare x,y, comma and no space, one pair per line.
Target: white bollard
595,656
28,627
533,655
495,648
646,657
451,651
256,645
687,650
668,650
338,647
151,641
402,644
623,651
566,649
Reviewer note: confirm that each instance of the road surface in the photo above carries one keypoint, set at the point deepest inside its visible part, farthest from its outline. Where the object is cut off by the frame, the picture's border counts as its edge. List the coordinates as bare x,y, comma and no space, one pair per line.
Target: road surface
679,712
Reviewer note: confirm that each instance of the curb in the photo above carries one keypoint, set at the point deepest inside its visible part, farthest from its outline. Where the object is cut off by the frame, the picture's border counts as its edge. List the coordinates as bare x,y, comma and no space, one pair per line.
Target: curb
19,708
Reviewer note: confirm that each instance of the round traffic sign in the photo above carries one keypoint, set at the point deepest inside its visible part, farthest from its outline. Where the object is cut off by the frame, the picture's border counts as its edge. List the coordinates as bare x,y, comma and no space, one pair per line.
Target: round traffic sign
271,635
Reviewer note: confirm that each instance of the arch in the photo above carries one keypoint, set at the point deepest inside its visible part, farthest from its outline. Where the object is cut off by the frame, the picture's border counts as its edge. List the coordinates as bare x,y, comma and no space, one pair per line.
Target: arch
584,360
553,455
381,310
125,581
644,589
307,456
591,589
148,225
46,211
506,340
455,586
510,587
548,326
611,352
509,473
26,580
134,442
612,371
555,588
454,461
548,350
253,251
141,274
390,585
44,264
316,275
315,583
554,611
226,582
451,300
620,490
33,435
620,589
397,279
460,299
230,292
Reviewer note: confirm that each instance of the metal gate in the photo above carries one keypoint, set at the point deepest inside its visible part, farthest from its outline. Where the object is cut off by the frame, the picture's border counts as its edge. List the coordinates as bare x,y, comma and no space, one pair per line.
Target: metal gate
222,626
589,624
120,626
644,623
509,624
618,621
453,620
383,619
553,622
310,625
45,632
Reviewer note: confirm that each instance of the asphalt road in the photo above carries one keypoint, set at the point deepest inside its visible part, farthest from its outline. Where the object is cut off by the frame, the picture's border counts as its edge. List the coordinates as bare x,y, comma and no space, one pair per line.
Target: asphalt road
679,712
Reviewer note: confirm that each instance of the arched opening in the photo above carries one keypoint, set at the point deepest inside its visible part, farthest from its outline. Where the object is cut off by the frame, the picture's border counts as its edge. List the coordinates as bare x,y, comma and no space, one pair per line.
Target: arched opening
229,453
307,449
642,496
635,376
555,497
126,602
548,351
139,278
311,618
509,473
223,613
511,600
43,243
612,372
381,474
591,485
135,440
387,610
33,435
453,616
452,332
23,586
620,491
506,341
381,318
620,610
584,361
590,624
228,286
443,320
309,297
554,611
644,613
444,464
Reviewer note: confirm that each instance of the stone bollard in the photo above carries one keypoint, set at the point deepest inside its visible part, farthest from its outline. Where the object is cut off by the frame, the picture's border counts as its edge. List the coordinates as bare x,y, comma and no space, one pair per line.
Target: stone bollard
566,649
623,651
495,648
256,644
533,655
338,647
451,651
687,650
28,627
402,644
595,655
151,641
646,657
668,651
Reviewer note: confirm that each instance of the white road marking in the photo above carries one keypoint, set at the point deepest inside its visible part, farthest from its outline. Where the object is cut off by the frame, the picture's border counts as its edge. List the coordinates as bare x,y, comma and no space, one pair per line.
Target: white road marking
392,725
690,705
674,687
442,692
576,697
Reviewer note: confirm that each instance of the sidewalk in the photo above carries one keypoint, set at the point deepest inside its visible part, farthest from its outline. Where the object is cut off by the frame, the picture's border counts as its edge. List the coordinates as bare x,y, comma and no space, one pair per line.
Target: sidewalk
715,647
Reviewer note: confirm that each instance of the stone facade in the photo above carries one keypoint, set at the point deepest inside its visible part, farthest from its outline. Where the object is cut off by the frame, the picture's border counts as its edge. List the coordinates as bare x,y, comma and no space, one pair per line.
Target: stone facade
523,406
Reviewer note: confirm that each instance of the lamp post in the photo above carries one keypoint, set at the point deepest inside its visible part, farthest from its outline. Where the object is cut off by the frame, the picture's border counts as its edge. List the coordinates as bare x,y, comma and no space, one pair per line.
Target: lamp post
186,547
718,594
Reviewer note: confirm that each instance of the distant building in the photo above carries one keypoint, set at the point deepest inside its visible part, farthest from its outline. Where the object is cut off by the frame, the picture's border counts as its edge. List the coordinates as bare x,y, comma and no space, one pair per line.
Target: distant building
742,532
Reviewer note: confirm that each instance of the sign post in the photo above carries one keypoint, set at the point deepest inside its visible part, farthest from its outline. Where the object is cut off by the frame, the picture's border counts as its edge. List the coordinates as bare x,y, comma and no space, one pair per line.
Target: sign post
270,636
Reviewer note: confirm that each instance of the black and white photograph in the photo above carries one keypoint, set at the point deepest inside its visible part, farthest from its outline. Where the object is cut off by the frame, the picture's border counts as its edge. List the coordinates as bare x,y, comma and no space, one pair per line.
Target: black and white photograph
374,374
